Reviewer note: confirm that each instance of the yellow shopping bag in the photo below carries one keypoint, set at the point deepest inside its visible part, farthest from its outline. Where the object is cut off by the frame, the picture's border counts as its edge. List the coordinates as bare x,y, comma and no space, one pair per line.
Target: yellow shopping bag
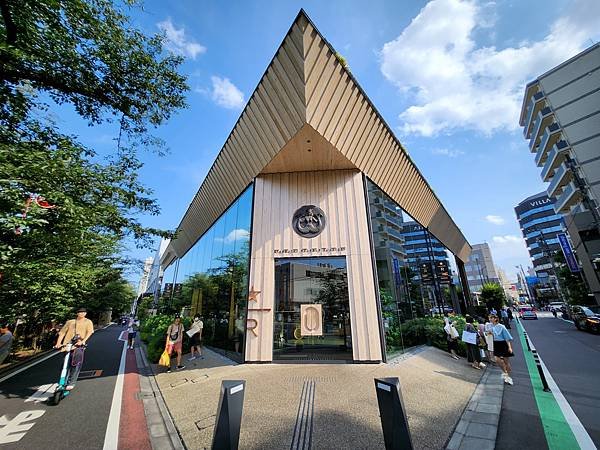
165,359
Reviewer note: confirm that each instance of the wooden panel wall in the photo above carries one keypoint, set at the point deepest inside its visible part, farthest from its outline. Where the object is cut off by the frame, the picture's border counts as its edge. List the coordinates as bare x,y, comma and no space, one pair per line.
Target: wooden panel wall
306,84
340,194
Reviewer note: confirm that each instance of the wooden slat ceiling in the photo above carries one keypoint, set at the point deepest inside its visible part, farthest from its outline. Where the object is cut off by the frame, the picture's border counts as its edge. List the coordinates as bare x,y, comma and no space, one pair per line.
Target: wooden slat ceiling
305,89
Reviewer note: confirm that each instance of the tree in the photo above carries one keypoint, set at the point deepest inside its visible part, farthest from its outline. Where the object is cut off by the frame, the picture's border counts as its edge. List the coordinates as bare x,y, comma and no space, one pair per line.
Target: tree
572,285
64,211
493,296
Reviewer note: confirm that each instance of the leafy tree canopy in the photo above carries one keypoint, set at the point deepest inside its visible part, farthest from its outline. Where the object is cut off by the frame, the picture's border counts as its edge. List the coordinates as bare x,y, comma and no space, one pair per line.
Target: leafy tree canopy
64,211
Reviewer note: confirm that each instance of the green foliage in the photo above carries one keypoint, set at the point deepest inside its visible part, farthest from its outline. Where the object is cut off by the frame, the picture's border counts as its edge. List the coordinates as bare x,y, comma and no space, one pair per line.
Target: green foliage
342,61
493,295
87,55
573,287
153,331
424,330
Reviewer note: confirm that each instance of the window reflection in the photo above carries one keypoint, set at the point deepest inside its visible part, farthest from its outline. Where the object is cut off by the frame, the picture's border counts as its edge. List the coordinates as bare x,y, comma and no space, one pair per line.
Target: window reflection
212,279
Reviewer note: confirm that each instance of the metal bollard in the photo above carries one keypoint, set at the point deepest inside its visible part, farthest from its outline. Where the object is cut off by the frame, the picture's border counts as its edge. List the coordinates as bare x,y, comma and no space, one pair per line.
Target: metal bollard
526,340
394,423
540,370
229,415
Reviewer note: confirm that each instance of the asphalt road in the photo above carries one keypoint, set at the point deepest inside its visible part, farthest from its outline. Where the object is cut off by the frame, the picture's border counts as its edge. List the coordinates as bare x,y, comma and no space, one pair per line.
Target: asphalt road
80,420
573,359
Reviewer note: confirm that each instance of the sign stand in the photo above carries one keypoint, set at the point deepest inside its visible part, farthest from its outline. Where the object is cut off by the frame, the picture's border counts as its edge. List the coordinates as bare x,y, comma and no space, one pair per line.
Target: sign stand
394,423
229,415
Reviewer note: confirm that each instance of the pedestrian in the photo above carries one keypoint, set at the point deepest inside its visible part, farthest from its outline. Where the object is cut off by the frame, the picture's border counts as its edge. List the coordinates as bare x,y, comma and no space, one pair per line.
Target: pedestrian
489,340
132,329
510,316
6,341
493,311
502,348
504,316
195,334
452,338
175,340
473,355
554,313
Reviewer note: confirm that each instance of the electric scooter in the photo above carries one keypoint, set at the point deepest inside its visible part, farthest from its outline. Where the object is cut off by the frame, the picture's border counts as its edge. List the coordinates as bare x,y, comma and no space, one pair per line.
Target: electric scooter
76,359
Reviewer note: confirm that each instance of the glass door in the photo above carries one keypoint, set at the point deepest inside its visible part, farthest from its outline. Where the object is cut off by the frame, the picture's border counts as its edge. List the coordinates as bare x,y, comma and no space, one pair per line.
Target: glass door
312,313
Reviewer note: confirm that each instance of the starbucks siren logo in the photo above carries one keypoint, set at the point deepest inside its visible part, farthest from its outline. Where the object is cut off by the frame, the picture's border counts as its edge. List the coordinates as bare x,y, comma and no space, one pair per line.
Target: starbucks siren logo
308,221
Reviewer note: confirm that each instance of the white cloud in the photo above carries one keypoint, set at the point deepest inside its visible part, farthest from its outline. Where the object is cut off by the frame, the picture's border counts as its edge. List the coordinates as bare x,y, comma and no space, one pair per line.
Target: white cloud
238,234
457,84
177,42
447,152
508,251
496,220
226,94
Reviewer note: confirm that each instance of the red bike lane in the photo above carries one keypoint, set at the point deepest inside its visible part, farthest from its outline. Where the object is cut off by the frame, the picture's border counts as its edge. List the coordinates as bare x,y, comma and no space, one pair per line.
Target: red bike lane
133,428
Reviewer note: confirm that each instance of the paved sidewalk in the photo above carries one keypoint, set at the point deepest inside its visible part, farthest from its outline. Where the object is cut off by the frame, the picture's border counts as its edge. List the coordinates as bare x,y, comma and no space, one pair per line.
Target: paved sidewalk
163,435
342,400
478,426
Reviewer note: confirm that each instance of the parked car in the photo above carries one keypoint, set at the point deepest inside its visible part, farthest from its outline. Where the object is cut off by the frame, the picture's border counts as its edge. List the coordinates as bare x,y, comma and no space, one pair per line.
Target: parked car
527,312
586,318
556,306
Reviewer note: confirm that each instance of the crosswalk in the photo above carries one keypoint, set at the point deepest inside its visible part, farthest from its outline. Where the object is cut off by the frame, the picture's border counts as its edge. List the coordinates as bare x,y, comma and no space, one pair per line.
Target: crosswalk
43,393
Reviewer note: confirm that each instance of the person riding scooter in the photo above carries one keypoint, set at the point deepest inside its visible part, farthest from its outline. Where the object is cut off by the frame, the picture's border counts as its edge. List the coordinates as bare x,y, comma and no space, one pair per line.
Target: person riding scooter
76,331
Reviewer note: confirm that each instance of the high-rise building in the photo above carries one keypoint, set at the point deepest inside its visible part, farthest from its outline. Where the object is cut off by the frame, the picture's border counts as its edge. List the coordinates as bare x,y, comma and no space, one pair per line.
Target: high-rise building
143,283
480,267
560,116
421,246
540,225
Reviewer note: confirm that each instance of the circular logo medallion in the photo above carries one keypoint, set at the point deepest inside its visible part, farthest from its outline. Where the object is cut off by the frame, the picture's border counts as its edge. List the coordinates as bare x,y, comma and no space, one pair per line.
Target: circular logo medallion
308,221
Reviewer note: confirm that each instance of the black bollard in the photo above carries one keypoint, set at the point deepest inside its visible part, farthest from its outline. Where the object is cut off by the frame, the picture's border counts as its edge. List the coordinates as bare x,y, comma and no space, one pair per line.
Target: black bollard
394,423
229,415
527,340
540,371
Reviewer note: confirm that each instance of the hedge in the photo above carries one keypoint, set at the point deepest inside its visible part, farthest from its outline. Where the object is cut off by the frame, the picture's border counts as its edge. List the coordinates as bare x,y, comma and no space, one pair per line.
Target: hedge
153,331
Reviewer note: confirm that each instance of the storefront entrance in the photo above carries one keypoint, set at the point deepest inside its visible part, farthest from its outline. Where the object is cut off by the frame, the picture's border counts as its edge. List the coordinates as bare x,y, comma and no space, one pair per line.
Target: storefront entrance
312,311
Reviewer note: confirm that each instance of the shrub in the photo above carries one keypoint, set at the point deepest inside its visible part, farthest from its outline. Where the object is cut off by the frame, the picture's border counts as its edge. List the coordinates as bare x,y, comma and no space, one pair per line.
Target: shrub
425,330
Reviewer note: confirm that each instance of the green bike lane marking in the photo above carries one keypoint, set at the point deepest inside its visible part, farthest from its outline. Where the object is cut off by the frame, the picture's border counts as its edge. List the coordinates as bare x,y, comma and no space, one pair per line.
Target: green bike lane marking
558,433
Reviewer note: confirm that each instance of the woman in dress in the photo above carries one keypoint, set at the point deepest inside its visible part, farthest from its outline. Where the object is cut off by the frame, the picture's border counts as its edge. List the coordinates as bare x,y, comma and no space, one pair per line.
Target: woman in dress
502,348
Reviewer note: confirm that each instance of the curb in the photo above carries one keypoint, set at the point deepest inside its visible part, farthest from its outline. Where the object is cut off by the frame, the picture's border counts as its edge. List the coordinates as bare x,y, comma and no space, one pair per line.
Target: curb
10,368
478,425
161,428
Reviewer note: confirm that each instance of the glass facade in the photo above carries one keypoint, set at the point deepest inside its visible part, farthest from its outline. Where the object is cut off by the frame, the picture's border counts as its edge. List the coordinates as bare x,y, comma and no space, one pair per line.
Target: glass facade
212,278
319,281
407,291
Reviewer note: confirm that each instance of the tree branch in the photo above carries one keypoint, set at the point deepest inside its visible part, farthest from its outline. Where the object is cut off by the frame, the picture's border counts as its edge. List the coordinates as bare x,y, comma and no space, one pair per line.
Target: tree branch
11,29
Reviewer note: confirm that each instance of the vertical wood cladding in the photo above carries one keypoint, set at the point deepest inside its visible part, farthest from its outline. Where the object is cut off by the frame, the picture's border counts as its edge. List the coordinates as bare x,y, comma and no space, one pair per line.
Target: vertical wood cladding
340,195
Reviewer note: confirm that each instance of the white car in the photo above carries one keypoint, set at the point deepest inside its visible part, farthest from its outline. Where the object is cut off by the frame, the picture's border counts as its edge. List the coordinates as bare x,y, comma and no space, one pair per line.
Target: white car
556,306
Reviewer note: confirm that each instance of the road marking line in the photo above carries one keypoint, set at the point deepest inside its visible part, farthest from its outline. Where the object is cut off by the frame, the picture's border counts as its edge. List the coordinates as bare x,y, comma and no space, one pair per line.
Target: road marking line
583,438
579,432
28,366
43,393
14,430
111,438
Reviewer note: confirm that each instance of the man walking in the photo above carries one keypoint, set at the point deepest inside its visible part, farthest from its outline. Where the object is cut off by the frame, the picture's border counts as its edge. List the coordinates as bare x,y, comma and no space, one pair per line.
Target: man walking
6,340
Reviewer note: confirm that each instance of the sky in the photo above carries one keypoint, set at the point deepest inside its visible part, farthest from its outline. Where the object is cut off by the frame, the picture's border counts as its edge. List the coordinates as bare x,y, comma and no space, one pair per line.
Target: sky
448,76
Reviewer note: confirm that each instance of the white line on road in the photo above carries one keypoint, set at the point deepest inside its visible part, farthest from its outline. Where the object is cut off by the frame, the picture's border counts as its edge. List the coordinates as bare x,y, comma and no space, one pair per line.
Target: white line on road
111,438
583,438
28,366
43,393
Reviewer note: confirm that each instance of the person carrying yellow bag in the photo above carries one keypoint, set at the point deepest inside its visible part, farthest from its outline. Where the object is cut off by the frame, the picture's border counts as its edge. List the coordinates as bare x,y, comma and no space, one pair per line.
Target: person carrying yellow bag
165,359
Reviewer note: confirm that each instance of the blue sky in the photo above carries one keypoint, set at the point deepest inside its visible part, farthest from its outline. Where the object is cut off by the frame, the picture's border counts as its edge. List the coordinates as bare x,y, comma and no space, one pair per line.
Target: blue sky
447,75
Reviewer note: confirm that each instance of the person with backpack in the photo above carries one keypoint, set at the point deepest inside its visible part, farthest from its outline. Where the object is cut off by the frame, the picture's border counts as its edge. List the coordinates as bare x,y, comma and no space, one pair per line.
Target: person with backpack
175,340
132,329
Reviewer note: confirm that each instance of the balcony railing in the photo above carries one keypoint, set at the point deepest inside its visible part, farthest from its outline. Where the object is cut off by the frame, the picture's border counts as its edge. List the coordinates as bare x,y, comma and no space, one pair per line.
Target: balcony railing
555,157
561,177
569,197
550,136
532,108
543,118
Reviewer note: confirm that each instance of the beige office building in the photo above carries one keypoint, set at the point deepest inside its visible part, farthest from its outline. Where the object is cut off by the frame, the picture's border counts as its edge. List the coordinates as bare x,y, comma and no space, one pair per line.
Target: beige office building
276,249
